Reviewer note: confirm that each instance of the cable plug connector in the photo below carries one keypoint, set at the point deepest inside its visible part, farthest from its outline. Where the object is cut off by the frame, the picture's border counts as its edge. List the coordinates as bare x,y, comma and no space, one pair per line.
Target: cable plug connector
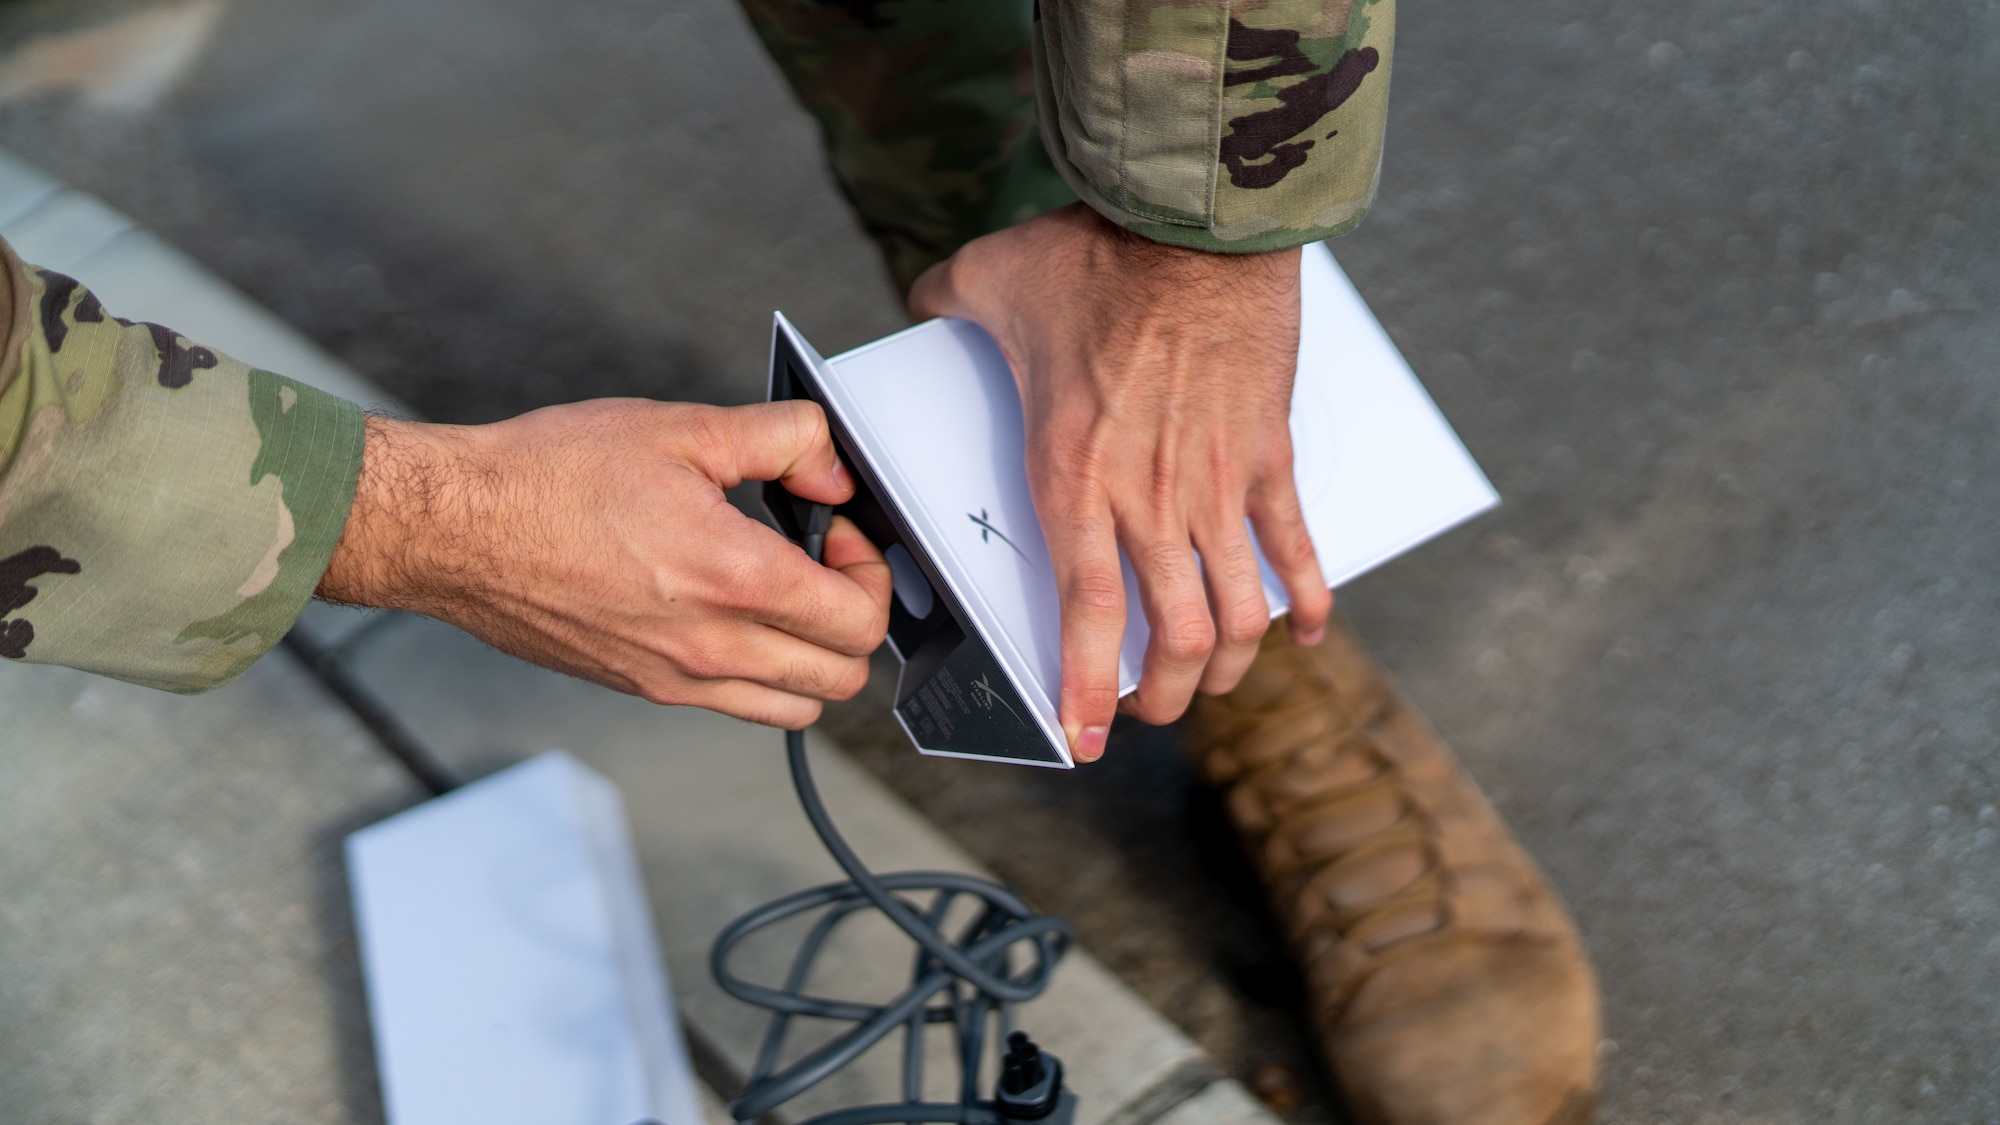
819,520
1031,1086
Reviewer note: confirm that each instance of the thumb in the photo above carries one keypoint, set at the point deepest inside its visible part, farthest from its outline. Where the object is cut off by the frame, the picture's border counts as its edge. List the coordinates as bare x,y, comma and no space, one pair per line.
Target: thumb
782,441
969,286
936,292
849,552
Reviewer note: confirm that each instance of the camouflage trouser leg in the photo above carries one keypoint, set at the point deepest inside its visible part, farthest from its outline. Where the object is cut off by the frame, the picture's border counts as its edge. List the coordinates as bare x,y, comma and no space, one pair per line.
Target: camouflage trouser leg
928,111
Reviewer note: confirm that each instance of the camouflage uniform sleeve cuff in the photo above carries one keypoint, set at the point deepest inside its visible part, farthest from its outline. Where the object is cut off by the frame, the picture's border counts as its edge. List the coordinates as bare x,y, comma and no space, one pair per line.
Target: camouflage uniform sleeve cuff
1205,238
165,511
1227,131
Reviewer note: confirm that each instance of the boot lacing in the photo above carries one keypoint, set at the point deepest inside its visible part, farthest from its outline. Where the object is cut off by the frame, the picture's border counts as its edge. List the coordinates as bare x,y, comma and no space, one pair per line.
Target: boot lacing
1370,882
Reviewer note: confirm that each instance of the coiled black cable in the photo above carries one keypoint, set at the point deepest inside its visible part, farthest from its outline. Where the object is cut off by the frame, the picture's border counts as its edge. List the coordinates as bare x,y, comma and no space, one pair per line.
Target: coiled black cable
965,981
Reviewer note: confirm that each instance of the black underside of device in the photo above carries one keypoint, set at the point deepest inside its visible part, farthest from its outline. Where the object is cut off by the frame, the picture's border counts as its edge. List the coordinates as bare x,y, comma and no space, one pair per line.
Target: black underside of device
953,696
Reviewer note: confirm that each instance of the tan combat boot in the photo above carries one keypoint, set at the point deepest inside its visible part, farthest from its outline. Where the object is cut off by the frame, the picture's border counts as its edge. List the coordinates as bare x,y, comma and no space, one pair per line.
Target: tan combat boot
1448,982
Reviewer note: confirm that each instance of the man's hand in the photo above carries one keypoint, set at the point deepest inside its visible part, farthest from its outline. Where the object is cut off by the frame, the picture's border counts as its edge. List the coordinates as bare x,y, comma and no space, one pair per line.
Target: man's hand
595,539
1156,384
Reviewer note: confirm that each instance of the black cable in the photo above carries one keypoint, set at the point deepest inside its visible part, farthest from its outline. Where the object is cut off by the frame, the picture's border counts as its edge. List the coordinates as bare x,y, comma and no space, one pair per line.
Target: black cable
966,981
969,976
329,664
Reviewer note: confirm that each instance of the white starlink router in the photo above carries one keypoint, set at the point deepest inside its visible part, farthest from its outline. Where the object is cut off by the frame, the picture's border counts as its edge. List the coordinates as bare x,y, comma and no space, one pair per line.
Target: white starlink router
929,419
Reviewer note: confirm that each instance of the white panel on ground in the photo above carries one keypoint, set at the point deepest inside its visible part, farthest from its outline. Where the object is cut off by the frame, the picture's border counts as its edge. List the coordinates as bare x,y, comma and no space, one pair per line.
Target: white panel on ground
511,967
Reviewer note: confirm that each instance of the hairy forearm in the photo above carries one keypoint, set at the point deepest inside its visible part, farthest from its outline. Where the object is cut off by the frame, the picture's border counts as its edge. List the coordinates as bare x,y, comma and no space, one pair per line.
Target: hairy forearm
410,540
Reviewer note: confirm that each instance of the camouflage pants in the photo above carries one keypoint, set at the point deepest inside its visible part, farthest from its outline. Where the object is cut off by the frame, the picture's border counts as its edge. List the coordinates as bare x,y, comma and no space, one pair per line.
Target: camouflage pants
927,108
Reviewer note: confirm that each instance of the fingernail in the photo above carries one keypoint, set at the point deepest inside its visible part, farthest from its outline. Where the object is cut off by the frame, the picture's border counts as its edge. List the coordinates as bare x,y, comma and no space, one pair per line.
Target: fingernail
1090,743
841,477
1307,640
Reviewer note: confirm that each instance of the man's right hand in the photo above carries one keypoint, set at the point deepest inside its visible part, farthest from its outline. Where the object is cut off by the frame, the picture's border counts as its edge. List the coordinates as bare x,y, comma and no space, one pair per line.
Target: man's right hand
595,539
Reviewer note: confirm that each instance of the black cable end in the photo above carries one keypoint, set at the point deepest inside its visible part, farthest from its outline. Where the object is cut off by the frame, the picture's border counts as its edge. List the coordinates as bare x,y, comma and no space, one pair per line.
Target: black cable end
1031,1086
1022,1069
819,519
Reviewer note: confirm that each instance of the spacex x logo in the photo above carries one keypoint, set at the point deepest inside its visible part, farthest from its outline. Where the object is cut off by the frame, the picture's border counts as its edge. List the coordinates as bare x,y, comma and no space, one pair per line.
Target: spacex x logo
987,531
984,695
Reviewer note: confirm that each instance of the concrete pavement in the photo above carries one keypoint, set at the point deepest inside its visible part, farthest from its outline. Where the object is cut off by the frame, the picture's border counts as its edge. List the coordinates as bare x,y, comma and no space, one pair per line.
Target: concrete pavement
1709,290
173,914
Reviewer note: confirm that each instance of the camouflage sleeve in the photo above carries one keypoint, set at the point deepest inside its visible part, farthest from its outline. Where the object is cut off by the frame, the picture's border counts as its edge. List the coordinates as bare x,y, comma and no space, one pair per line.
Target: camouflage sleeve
1232,125
1237,125
165,511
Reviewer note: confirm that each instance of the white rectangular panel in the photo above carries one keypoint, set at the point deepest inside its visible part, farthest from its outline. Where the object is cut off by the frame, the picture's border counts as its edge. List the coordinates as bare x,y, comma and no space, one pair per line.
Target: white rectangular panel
512,974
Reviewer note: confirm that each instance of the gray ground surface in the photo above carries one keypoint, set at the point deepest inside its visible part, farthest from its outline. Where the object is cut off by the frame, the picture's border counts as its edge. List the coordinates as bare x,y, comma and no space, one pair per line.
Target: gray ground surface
1709,290
161,974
